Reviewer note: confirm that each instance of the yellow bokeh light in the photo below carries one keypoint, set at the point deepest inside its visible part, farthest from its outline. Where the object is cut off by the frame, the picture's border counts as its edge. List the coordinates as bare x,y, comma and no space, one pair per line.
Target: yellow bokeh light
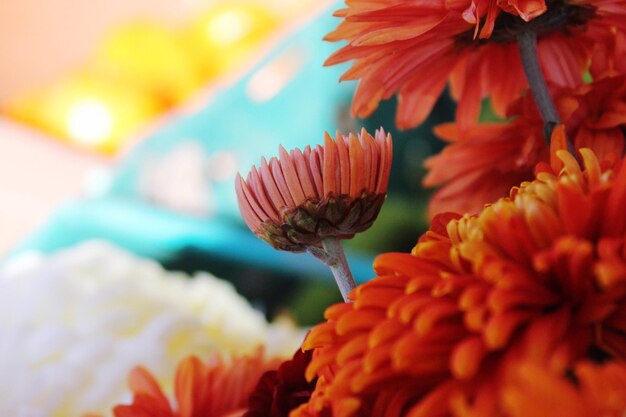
90,122
226,34
228,27
151,57
87,112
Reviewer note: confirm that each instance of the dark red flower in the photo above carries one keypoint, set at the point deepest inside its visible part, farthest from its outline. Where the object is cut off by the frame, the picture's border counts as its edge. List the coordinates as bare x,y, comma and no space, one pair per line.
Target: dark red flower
282,390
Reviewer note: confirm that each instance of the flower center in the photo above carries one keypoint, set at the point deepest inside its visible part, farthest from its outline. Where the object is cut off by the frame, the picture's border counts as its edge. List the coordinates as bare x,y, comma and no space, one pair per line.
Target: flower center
561,15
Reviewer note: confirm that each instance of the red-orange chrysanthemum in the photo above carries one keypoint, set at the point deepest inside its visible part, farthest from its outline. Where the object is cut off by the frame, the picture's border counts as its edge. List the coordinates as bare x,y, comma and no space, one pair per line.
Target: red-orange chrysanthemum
335,190
215,389
483,162
595,116
538,276
609,55
412,48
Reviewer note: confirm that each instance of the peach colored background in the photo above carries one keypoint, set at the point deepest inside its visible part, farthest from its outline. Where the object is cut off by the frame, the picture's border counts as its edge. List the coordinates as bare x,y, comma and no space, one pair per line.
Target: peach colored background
41,39
36,175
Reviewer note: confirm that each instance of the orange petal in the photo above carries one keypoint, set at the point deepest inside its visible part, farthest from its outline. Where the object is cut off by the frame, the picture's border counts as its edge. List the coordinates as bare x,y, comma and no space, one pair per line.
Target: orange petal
466,357
344,163
188,382
316,158
558,141
357,165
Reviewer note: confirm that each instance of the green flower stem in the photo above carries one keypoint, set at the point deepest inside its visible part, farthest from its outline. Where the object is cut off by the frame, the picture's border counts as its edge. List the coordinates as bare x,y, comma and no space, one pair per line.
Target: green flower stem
333,256
527,42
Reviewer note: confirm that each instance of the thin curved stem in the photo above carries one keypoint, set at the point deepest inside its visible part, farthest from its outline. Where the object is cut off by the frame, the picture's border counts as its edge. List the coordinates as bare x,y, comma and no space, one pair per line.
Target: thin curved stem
527,42
334,257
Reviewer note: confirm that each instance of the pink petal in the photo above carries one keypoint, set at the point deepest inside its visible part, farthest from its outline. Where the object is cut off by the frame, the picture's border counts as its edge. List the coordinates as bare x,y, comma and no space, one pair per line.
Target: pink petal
279,178
254,181
249,217
270,185
304,172
252,200
291,177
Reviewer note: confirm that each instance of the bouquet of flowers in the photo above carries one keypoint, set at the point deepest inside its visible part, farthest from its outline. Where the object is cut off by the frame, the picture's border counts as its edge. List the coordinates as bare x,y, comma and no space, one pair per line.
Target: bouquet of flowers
514,302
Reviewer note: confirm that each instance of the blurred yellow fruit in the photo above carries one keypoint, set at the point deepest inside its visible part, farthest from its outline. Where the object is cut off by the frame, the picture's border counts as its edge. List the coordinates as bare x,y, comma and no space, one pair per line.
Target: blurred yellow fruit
149,56
227,33
86,111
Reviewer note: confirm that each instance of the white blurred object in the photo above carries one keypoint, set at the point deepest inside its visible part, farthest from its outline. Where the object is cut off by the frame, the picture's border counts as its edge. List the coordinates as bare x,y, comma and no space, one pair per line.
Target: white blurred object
74,324
270,79
182,179
90,122
178,180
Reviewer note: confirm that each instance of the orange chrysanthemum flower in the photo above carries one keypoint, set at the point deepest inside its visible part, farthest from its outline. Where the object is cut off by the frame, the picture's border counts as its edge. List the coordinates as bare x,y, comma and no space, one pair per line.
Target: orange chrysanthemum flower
213,389
540,275
332,191
413,48
588,389
484,161
595,116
